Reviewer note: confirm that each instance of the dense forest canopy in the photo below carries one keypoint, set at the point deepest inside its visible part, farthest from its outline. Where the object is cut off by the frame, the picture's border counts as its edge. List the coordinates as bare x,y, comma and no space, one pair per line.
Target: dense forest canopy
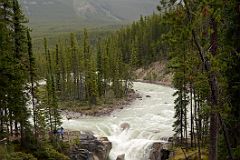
200,40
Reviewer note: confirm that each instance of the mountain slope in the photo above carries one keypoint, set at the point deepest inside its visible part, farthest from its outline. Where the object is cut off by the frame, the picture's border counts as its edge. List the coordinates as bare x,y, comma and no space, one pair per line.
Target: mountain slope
49,14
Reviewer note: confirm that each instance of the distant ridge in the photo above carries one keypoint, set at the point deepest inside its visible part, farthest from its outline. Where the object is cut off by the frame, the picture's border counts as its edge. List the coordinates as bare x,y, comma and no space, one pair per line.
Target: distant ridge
76,13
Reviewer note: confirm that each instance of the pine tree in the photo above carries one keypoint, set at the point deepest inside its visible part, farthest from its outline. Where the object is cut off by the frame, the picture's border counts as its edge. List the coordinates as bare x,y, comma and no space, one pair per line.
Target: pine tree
32,82
91,82
100,64
134,60
53,111
106,68
58,74
86,57
5,66
63,73
231,15
75,65
19,34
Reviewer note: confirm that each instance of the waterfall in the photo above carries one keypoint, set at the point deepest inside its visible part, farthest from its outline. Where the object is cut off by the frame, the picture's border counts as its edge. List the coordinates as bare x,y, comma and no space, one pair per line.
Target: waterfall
150,120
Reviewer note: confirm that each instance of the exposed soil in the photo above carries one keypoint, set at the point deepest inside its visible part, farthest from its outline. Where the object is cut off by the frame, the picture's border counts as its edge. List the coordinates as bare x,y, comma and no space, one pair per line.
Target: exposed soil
156,73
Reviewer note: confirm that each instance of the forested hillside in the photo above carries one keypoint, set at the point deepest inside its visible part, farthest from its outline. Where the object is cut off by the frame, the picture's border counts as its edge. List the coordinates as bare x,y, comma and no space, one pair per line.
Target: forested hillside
24,121
48,16
84,70
199,41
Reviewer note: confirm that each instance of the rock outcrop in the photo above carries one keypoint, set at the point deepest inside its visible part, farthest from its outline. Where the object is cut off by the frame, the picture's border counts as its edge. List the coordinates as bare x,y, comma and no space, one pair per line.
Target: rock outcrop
124,126
90,148
121,157
158,152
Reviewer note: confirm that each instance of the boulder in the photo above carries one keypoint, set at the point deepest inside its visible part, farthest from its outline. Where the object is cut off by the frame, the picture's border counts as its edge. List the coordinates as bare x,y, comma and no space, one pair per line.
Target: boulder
138,96
87,136
158,152
104,149
131,91
121,157
90,148
80,154
148,96
124,126
155,153
165,154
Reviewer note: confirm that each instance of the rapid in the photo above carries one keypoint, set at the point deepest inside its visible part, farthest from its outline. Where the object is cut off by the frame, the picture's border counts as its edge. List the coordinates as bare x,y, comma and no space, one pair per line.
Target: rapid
150,119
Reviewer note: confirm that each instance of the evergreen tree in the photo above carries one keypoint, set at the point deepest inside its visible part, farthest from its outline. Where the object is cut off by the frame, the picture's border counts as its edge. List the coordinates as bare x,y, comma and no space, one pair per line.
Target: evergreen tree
33,83
58,74
100,69
53,111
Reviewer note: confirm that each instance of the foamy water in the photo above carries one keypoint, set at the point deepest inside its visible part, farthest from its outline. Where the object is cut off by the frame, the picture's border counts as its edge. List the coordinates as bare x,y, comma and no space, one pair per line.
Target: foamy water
150,119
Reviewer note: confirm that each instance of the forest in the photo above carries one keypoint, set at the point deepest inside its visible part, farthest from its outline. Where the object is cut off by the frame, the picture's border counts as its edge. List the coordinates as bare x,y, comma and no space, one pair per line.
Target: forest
200,40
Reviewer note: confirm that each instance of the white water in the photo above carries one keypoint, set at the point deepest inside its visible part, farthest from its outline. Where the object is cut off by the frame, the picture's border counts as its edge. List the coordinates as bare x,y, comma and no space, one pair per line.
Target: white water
150,119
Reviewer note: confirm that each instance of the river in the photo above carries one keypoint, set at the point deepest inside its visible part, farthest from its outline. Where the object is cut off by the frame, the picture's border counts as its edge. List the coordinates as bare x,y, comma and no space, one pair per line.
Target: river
150,119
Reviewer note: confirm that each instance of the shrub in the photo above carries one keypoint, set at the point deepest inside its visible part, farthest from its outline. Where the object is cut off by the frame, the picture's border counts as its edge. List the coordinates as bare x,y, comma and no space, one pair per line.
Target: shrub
21,156
49,153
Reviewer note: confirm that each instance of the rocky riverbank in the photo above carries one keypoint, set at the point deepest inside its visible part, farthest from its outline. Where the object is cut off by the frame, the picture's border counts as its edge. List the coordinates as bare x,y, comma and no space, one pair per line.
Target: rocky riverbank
88,147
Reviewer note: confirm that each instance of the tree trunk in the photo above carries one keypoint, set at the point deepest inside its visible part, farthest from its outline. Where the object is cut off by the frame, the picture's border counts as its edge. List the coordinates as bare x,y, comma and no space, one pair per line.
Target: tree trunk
214,96
181,117
226,137
191,110
185,101
11,122
1,119
16,128
195,118
212,82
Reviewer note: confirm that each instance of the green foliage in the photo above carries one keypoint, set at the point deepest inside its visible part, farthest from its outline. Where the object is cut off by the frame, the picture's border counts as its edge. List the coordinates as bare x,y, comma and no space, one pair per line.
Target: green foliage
209,73
84,72
13,70
21,156
4,152
13,152
200,38
48,152
236,152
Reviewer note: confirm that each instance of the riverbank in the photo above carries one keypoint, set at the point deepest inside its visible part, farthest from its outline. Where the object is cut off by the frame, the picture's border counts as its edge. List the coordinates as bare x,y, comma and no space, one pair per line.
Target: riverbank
162,83
75,110
155,73
192,153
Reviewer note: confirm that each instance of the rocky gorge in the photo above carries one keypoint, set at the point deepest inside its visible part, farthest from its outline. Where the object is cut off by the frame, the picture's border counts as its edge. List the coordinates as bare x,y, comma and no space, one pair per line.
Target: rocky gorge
93,148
